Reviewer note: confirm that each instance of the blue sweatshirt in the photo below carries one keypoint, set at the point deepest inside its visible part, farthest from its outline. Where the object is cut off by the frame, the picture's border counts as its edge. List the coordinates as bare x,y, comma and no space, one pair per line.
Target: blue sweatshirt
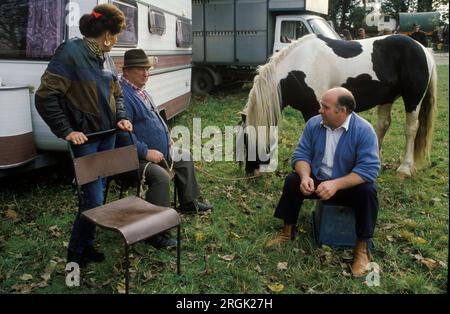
356,151
149,129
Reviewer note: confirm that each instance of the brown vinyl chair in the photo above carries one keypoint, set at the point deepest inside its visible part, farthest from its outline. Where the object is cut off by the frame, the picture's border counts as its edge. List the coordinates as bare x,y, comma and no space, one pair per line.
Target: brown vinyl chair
132,217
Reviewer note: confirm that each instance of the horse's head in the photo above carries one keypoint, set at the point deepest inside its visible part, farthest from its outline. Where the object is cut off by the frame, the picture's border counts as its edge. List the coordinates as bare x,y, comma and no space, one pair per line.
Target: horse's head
278,83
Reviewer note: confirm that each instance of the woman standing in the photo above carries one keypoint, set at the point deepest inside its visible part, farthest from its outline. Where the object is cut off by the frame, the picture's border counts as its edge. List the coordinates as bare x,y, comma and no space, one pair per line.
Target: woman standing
80,94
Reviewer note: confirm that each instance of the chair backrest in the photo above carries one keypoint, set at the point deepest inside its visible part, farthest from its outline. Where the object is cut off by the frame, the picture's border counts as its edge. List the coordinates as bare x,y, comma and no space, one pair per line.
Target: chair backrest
106,163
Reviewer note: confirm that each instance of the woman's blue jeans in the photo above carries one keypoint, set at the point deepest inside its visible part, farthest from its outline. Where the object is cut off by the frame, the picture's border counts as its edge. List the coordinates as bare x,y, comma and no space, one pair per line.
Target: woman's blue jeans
83,231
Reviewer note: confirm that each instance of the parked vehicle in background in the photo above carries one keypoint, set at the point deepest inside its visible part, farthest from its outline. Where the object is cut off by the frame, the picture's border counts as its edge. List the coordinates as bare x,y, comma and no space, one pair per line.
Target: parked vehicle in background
30,31
232,37
377,22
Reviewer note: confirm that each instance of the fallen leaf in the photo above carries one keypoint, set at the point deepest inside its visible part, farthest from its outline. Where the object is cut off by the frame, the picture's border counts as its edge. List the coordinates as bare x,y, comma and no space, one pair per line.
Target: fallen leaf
410,223
390,238
199,236
234,235
282,265
42,284
417,257
11,214
147,275
22,288
49,270
418,240
436,200
430,263
326,257
18,232
346,274
227,257
258,269
121,287
192,257
388,226
26,277
55,231
276,287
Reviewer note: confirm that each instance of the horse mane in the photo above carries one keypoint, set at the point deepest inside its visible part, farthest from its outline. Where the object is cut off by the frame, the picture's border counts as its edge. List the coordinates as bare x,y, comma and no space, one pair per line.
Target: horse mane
263,106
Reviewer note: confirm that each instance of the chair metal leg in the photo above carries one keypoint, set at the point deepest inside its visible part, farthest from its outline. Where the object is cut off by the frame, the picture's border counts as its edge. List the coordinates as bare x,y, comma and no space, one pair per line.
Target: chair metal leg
127,268
105,195
121,191
178,248
175,196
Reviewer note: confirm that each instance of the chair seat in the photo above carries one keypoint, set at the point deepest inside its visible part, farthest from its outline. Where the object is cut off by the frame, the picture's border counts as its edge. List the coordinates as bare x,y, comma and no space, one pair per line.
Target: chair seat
134,218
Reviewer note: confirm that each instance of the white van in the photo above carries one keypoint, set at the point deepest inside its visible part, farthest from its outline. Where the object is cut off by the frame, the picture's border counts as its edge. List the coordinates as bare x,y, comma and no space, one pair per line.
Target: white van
31,30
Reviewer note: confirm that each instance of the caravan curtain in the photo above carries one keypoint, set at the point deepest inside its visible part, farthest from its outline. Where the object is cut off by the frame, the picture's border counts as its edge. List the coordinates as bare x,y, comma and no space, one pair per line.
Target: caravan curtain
45,29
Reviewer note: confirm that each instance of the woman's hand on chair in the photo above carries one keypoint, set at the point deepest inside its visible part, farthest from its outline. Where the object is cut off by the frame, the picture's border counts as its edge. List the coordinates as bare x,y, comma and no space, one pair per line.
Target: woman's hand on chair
154,155
125,125
76,138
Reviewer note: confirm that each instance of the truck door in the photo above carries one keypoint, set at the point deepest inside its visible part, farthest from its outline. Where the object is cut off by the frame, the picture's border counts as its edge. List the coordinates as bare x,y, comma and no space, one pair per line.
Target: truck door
288,29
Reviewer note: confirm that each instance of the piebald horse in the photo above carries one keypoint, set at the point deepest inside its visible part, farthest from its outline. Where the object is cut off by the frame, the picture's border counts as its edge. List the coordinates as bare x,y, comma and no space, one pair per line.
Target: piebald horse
376,70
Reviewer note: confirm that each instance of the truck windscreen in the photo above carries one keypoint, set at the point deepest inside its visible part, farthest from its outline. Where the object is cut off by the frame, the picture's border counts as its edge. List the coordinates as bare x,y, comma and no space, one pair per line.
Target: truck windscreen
320,26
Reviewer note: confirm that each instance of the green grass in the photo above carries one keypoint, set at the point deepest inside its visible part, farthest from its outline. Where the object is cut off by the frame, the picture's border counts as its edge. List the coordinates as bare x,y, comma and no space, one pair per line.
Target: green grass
225,252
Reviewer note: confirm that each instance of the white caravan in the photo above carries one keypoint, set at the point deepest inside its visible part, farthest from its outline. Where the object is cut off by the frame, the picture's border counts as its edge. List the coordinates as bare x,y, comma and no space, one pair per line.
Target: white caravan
31,30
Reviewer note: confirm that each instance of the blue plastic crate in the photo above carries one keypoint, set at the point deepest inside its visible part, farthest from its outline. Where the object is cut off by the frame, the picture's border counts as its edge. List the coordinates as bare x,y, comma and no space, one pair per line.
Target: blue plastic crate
334,225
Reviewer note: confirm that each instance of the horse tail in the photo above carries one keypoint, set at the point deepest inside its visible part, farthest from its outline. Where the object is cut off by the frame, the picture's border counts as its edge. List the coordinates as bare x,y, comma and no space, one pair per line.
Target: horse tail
427,115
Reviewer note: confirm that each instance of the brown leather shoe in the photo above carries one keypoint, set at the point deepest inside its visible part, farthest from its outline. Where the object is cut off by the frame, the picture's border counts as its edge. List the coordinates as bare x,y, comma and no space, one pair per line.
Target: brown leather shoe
284,236
361,259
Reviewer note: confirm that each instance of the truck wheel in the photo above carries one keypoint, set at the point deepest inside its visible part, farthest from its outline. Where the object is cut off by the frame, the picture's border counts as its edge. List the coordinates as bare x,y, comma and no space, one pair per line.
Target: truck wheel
202,83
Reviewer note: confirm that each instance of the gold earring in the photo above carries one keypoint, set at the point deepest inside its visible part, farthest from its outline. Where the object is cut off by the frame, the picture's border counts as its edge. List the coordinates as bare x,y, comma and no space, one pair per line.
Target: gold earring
107,43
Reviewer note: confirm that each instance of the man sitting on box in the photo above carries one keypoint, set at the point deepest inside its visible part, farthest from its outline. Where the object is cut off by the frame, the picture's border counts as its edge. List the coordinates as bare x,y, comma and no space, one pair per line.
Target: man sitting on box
336,159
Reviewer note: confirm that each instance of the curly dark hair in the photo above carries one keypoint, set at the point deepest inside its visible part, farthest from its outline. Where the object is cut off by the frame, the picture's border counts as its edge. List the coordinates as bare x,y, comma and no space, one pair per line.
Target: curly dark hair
104,17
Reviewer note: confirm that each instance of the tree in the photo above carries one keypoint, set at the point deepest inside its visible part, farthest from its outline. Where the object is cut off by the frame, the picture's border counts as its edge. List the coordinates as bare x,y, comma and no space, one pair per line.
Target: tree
395,6
346,13
424,5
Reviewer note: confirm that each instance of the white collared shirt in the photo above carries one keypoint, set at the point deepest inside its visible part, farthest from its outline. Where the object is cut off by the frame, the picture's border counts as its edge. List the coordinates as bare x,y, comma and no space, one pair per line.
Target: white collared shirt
332,140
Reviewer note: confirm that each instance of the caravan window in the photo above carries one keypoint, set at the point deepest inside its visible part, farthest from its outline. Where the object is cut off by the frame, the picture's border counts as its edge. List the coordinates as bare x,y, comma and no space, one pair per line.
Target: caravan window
129,37
184,33
31,29
156,22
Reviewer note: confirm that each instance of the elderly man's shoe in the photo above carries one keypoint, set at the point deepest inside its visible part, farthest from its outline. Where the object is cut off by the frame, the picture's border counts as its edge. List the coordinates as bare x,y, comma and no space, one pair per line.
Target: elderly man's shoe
284,236
361,259
162,240
195,206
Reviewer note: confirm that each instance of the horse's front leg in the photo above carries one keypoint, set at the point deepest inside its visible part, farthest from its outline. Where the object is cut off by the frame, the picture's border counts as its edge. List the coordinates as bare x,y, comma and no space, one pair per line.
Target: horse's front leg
407,167
383,122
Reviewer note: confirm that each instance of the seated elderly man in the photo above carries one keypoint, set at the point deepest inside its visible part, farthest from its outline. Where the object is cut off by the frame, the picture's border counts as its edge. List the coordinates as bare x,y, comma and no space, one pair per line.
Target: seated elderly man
151,135
335,160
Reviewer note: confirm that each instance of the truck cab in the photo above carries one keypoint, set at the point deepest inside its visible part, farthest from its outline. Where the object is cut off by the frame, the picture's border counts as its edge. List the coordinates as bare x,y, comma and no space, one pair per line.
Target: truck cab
232,37
293,27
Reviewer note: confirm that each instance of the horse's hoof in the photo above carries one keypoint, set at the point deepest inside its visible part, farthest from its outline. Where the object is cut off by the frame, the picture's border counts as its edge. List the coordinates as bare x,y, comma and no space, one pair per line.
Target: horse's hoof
406,171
